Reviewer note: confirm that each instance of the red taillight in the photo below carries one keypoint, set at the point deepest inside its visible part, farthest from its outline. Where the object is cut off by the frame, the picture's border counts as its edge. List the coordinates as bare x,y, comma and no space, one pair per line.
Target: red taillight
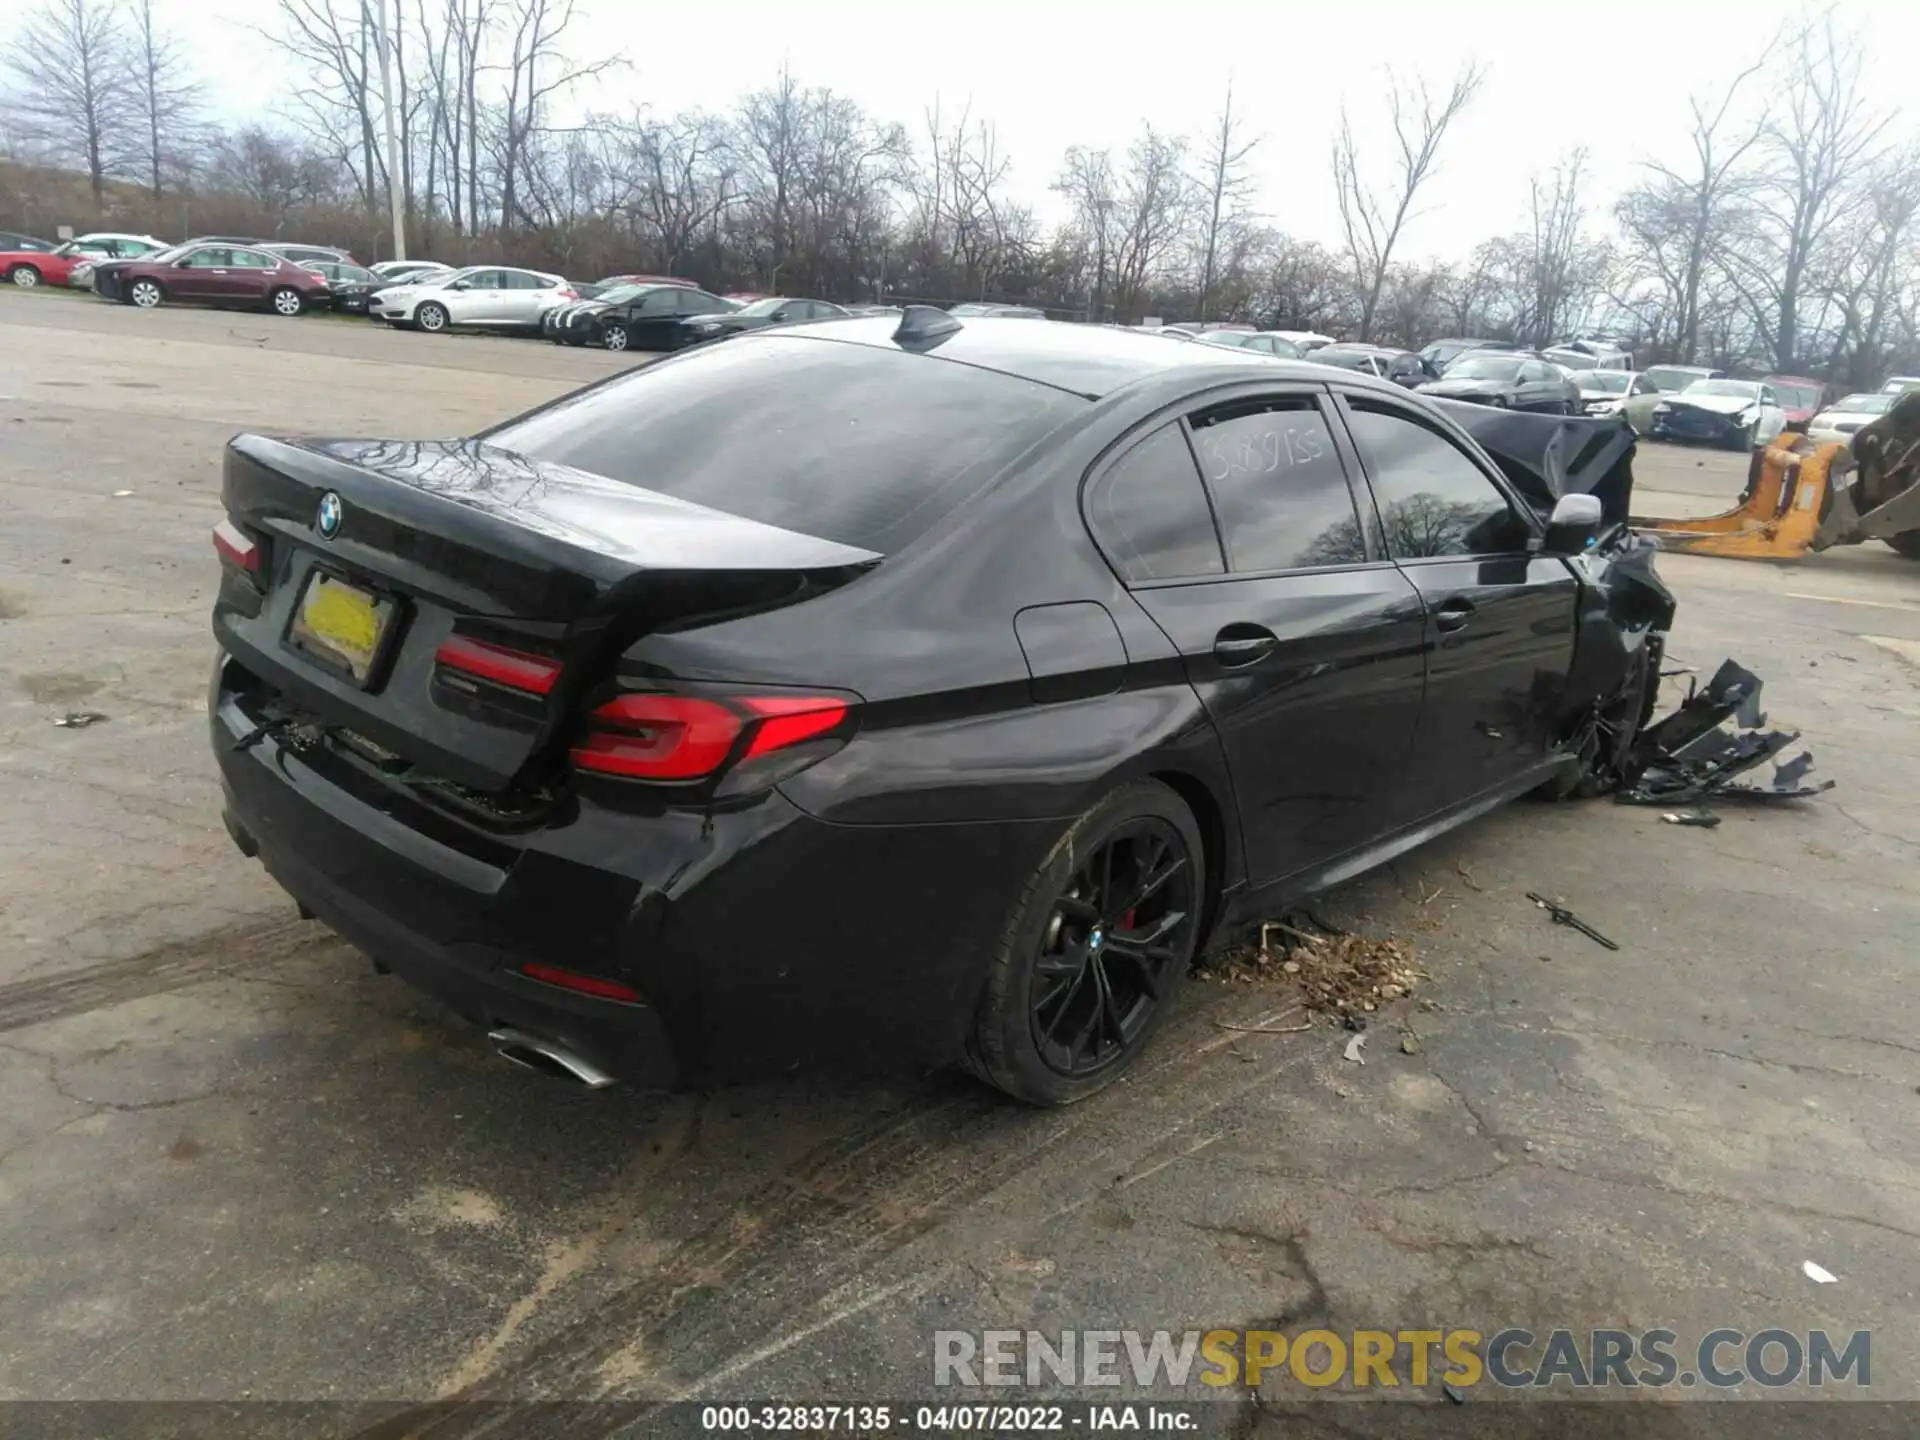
689,737
593,985
515,669
790,720
567,292
236,547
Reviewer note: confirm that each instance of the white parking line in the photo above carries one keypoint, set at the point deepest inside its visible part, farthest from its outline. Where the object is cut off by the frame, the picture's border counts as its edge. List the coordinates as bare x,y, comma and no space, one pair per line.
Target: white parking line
1847,600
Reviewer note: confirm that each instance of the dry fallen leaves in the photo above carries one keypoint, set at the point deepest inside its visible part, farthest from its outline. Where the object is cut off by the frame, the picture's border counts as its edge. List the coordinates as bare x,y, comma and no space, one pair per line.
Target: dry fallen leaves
1336,974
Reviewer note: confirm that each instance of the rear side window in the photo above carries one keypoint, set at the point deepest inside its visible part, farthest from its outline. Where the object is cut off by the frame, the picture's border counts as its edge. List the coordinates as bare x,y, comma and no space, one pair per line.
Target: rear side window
852,443
1278,486
1149,513
1433,499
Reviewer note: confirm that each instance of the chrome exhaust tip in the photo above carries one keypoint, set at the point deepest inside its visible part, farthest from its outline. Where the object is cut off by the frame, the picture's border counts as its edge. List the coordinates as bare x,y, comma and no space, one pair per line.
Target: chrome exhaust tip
548,1057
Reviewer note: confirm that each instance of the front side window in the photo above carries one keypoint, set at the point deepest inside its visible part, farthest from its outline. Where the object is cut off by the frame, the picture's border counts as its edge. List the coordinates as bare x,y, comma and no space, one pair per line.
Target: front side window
1149,514
1433,499
1278,485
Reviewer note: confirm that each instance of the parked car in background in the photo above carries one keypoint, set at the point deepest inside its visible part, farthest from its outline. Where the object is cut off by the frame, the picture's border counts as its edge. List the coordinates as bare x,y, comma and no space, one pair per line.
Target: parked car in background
1672,379
71,264
1305,339
351,286
1737,413
1513,382
649,317
1442,353
14,240
1191,329
301,254
1577,355
1257,342
1836,424
976,309
1900,384
479,297
874,310
399,270
1403,367
687,655
608,282
236,276
1800,397
1626,393
774,310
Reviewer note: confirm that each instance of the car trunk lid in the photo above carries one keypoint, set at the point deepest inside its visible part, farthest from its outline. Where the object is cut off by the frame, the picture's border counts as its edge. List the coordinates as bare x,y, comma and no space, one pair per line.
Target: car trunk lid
446,603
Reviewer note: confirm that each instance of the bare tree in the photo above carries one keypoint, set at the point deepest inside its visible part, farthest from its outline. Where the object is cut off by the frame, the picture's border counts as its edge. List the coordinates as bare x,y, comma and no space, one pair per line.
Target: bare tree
71,91
1087,181
1821,135
1554,244
1226,185
1372,221
169,96
1152,215
537,70
1678,217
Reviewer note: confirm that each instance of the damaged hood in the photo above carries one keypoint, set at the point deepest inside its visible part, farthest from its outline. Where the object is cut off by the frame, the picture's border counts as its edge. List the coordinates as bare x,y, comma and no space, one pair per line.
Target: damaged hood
1714,404
1547,456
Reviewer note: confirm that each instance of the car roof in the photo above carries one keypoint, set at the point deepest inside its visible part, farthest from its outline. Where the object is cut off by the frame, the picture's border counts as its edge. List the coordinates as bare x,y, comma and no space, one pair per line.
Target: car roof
1088,360
1795,379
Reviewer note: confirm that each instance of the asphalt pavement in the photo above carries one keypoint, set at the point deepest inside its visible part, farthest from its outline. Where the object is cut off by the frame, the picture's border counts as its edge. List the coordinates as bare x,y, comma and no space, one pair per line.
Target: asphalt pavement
237,1165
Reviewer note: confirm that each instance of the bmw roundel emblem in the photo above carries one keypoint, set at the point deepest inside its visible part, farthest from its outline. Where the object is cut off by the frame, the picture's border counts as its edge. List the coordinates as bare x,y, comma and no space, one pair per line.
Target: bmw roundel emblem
331,513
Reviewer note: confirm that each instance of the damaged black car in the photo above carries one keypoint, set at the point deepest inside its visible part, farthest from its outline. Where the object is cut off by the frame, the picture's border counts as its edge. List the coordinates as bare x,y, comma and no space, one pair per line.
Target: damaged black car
939,714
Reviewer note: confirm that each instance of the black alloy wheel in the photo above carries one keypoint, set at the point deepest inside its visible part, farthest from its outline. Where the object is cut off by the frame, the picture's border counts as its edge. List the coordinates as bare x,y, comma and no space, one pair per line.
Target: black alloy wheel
1099,943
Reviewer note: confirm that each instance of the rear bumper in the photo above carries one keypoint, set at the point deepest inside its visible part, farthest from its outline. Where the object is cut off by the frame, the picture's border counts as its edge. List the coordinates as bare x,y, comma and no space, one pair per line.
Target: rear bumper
761,939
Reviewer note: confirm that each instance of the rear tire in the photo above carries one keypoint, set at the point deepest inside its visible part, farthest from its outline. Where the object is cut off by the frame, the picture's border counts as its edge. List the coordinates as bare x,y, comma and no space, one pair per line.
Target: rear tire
1906,543
431,318
145,294
287,301
25,277
1093,925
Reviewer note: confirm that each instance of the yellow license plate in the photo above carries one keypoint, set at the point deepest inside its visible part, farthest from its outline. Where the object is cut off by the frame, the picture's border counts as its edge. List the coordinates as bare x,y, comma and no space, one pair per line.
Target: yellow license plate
341,624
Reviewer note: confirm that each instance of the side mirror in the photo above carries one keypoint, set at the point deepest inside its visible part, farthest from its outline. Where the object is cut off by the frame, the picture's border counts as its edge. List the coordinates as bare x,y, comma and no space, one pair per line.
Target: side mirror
461,285
1575,521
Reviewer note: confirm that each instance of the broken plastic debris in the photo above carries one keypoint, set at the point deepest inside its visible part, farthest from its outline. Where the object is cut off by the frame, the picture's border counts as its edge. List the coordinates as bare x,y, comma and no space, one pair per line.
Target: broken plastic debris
121,494
1355,1046
79,719
1819,1274
1706,820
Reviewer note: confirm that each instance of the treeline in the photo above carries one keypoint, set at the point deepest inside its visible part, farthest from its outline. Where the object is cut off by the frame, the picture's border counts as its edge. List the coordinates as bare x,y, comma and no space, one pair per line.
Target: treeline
1776,232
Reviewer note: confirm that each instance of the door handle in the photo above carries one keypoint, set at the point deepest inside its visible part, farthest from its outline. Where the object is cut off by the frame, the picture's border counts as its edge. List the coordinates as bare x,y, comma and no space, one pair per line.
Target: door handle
1454,613
1243,644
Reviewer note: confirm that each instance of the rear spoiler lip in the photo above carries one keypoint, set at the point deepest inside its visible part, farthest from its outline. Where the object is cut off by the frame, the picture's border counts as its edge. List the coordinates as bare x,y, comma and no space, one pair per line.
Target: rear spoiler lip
521,509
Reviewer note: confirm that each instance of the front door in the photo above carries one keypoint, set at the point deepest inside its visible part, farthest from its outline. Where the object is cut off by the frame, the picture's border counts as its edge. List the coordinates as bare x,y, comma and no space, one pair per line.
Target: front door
1499,618
1306,649
202,274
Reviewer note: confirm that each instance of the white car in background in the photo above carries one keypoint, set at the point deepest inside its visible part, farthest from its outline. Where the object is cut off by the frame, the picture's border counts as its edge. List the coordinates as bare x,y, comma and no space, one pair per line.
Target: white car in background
105,245
1835,424
399,270
1742,414
1900,384
482,297
1606,392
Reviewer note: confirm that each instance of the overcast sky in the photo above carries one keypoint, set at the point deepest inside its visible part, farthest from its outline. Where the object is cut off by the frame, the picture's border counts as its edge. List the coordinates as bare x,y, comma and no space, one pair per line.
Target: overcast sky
1614,75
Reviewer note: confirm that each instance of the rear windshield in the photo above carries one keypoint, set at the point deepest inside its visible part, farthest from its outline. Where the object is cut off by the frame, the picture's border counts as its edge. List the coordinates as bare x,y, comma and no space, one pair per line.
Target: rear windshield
852,443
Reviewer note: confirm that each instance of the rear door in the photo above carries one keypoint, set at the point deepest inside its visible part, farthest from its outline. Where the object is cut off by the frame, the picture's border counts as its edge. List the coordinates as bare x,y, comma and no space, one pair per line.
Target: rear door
1541,387
1499,620
1303,643
252,274
521,297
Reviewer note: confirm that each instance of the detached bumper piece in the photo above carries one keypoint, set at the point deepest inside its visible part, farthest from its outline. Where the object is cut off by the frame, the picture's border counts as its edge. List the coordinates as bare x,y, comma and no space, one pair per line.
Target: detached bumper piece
1692,755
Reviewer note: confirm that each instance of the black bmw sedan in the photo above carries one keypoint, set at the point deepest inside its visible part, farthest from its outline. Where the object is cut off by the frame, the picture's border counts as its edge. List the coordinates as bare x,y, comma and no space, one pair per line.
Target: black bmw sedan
938,714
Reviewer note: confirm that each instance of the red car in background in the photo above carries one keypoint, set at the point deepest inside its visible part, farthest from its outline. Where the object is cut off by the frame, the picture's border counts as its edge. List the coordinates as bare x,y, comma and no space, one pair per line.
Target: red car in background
1800,398
228,275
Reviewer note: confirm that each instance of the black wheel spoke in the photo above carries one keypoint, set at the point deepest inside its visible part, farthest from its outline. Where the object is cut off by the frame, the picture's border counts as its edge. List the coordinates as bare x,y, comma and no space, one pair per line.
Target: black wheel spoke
1111,946
1156,881
1070,907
